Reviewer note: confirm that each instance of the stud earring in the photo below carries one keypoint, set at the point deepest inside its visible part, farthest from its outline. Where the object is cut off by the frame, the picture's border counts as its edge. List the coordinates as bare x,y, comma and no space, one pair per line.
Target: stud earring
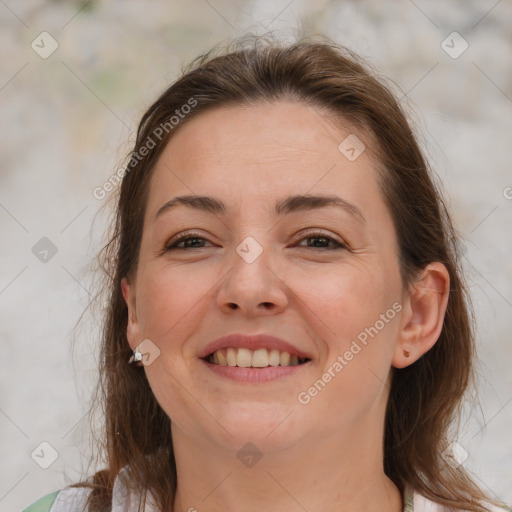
136,357
406,353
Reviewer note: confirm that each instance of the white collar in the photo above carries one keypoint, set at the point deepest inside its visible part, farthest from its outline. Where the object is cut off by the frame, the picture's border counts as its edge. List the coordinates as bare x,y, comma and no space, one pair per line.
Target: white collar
125,499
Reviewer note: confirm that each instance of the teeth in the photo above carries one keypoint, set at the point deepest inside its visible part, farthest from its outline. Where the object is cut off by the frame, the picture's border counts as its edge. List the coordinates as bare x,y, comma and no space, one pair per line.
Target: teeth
231,356
273,358
243,358
260,358
222,358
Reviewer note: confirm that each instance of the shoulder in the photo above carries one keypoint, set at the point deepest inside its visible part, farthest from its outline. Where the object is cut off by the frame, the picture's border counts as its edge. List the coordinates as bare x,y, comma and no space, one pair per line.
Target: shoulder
74,499
418,503
71,499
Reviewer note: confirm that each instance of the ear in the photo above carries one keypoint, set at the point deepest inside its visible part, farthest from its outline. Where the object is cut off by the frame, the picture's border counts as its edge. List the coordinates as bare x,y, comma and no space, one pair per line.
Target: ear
423,316
133,327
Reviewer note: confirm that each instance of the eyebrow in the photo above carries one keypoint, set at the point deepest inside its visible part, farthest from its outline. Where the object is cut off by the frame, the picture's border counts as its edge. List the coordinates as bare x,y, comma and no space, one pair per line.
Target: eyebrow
291,204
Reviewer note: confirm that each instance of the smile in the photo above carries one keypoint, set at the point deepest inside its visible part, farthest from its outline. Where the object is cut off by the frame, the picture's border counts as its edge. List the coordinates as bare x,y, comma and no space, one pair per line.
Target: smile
260,358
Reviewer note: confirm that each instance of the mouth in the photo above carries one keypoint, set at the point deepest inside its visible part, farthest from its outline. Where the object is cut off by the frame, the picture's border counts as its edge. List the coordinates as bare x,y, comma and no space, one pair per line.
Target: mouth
253,358
260,358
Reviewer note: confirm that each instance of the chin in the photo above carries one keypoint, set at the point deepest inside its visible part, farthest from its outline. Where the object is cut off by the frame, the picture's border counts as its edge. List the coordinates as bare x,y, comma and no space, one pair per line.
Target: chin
265,427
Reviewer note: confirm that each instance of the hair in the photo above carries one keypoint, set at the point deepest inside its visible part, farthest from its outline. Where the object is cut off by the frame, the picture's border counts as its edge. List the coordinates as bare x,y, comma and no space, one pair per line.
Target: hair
426,397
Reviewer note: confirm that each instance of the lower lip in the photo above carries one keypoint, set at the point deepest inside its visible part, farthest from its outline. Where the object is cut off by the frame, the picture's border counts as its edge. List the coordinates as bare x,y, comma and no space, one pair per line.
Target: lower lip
269,373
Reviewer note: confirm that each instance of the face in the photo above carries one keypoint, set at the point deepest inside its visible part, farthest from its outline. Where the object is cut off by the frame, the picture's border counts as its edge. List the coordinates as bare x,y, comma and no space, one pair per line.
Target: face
323,277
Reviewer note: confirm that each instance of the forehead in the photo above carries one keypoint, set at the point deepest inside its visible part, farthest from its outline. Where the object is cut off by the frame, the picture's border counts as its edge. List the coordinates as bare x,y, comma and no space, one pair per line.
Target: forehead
260,151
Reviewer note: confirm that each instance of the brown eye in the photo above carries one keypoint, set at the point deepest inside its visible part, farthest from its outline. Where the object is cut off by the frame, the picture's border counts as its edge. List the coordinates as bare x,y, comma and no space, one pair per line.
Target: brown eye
322,241
189,241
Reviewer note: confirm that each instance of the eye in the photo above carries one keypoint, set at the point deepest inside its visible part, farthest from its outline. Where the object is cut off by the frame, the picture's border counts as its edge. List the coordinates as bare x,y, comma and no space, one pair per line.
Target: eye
188,238
322,241
191,240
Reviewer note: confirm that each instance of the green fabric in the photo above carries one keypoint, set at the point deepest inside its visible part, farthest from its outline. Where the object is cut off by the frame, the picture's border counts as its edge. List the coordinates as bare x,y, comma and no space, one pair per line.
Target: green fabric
44,504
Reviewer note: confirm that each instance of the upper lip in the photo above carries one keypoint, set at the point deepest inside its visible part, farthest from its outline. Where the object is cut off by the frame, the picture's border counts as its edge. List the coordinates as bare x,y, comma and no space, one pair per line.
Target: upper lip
252,342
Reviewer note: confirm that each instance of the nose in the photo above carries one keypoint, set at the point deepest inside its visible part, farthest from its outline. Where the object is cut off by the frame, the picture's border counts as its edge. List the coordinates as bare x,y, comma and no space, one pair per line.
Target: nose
253,287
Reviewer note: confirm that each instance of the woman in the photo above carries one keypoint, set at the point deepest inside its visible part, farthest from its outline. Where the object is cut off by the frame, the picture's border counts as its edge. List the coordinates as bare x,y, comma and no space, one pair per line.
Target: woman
288,326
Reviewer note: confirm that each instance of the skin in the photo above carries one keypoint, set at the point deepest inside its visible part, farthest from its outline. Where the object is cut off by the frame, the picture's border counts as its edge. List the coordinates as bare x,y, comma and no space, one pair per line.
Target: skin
324,455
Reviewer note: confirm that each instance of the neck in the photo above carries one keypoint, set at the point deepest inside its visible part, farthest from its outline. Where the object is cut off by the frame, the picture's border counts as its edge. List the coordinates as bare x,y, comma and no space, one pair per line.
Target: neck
327,474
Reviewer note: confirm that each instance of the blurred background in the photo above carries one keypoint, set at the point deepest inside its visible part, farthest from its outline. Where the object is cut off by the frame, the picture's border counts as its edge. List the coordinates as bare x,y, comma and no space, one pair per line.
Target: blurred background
74,79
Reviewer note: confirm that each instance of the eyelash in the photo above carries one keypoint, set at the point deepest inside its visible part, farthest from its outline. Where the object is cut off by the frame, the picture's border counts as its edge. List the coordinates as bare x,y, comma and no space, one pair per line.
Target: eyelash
190,235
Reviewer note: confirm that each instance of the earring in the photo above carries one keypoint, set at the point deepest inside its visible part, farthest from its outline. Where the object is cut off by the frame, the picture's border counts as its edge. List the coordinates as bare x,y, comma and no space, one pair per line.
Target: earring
136,357
406,353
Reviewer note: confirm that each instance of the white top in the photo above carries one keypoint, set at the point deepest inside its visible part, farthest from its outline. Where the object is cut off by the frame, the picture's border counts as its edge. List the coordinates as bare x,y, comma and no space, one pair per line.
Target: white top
125,500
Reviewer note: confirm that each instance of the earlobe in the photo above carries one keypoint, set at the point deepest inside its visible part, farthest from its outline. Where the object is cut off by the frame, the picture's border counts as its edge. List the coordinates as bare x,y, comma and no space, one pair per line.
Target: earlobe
132,328
423,315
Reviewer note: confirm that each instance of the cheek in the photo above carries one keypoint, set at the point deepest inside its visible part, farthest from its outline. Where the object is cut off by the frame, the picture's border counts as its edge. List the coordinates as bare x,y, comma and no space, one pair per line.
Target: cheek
171,304
337,302
167,297
361,325
353,311
344,300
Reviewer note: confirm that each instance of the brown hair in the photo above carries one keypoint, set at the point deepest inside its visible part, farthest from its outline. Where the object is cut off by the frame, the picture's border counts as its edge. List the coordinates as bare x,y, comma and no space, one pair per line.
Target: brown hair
425,398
